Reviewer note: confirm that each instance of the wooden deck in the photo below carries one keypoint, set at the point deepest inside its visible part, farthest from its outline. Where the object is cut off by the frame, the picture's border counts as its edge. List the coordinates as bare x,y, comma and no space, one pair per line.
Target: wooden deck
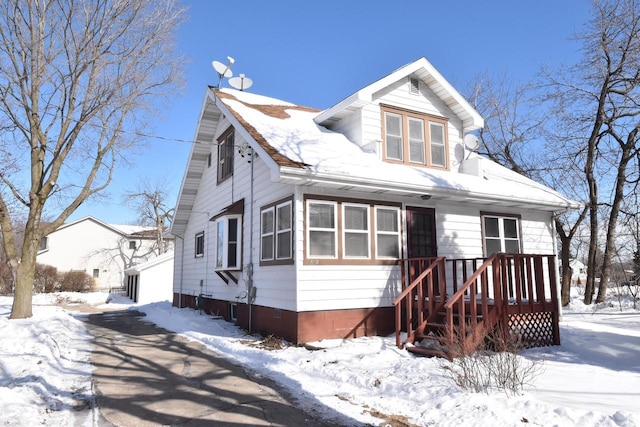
514,294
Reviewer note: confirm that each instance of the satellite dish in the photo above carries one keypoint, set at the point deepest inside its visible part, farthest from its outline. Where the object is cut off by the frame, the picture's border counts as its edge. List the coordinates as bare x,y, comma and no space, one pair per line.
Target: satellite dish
222,70
241,83
471,142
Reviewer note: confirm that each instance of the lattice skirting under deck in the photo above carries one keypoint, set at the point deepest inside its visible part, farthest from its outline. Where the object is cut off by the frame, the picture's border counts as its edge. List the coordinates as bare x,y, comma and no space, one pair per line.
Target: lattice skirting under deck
534,329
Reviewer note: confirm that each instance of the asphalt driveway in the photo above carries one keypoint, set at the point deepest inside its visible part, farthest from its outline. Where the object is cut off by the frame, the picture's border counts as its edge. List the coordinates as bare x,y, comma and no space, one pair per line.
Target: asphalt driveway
147,376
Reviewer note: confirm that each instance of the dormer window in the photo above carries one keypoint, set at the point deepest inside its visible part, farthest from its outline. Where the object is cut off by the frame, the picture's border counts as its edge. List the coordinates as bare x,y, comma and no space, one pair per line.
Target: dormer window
414,138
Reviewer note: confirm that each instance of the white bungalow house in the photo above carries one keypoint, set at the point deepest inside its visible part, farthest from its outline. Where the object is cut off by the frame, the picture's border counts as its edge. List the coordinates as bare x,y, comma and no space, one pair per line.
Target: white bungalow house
301,223
101,250
578,272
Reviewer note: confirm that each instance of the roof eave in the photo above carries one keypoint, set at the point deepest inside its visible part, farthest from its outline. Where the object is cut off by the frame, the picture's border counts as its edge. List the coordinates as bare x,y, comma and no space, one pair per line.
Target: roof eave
470,117
306,177
195,166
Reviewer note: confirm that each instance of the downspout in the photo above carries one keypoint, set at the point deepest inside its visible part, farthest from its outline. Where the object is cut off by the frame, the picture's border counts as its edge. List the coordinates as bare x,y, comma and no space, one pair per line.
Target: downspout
554,236
250,288
181,270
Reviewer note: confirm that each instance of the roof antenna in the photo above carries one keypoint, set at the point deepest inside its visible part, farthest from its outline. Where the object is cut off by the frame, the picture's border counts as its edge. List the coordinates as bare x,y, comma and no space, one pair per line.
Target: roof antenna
223,70
241,83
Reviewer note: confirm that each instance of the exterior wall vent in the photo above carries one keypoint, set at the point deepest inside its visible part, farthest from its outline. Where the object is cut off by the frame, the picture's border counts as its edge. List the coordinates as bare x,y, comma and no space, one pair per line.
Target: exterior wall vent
414,86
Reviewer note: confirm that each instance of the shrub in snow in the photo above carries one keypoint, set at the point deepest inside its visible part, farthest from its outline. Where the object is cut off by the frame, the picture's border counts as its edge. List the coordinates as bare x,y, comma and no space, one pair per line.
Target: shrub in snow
45,279
495,364
76,281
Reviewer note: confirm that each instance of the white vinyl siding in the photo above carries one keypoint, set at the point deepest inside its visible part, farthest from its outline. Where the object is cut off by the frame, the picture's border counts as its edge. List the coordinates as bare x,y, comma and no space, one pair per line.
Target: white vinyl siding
459,231
277,282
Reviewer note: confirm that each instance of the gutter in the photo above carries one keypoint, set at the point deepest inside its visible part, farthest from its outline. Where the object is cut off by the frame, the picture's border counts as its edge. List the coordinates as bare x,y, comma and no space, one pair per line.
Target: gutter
309,177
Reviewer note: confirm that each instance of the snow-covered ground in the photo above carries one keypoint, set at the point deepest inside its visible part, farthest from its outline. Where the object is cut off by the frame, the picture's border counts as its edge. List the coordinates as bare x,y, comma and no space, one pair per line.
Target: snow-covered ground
592,379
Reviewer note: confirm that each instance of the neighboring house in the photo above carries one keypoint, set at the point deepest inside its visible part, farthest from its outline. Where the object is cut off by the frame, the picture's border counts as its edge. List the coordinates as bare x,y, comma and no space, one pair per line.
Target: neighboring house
578,272
295,222
152,280
101,250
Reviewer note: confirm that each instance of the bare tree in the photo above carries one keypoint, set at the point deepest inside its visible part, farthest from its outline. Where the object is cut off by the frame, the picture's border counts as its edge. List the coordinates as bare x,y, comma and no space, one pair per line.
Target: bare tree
514,136
599,99
150,202
76,77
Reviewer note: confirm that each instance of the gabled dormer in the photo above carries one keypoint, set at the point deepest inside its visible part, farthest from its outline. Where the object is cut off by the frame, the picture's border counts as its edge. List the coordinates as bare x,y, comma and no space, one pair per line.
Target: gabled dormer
413,116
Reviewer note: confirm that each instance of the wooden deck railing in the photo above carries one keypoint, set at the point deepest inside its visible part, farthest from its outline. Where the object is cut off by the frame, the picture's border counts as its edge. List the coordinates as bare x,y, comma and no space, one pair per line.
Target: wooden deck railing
485,293
425,294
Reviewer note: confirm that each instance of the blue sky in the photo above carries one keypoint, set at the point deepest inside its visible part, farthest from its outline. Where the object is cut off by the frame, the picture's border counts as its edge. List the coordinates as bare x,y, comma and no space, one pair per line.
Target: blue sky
317,53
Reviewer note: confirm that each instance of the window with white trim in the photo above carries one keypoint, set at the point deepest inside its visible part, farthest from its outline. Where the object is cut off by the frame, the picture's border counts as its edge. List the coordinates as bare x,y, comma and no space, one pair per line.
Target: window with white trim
501,234
228,242
276,233
322,230
351,232
355,225
414,138
387,232
199,244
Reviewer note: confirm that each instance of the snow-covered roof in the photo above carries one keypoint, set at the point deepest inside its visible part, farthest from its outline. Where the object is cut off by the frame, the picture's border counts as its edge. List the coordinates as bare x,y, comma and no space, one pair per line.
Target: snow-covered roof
165,257
137,231
420,69
299,149
310,154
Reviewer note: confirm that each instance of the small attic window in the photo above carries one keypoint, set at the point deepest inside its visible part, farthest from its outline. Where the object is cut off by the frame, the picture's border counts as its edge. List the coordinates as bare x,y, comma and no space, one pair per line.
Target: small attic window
414,86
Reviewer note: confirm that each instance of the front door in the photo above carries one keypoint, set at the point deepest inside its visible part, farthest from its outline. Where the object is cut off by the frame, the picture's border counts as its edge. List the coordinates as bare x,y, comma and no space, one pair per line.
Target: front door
421,233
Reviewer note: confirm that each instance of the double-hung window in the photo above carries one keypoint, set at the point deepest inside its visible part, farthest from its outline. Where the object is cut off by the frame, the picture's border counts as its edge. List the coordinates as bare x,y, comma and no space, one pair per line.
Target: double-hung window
414,138
351,231
199,244
501,234
322,225
225,155
276,233
228,242
387,232
355,220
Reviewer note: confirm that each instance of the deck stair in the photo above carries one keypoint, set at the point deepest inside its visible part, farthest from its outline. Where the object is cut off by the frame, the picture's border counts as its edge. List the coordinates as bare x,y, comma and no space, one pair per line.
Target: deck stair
449,306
